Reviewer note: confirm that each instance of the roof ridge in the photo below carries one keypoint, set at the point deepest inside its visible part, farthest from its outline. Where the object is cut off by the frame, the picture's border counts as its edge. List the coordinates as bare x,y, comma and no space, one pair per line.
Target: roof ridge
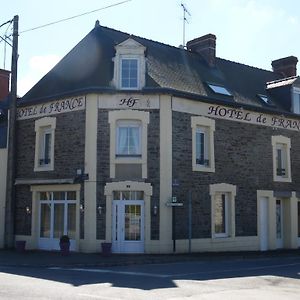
143,38
238,63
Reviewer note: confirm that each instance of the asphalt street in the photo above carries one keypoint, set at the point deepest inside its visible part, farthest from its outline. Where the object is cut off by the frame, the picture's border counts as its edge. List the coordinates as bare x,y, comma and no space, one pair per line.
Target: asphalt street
256,278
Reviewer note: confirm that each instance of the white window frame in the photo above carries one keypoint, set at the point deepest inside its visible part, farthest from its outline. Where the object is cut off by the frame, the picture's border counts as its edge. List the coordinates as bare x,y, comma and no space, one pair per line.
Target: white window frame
206,126
284,144
229,190
296,100
127,124
133,116
129,49
44,126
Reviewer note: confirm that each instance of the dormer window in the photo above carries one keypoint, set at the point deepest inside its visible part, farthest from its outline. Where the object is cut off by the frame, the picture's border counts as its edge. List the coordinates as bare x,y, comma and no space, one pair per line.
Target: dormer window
296,100
129,65
219,89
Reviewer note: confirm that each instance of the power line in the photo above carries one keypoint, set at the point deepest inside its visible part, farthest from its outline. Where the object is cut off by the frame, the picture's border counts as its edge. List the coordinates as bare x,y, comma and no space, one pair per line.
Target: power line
73,17
10,21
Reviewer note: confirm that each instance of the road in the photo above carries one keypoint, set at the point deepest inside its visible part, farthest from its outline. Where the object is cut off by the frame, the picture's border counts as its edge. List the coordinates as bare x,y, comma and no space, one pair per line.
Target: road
257,278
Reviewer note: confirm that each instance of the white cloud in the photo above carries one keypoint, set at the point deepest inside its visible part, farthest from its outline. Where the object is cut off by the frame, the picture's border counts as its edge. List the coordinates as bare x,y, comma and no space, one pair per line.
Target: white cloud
38,67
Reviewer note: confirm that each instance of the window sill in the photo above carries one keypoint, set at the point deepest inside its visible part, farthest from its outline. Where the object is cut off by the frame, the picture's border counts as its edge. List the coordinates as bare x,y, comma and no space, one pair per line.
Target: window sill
198,168
282,179
126,160
219,239
44,168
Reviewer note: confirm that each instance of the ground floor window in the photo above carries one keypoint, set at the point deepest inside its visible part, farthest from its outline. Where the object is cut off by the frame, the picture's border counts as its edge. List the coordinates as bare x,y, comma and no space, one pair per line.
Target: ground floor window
57,217
223,210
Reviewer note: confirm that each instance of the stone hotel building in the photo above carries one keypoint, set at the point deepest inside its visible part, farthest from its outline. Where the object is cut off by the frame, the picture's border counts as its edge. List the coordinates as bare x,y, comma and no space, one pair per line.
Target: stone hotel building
159,149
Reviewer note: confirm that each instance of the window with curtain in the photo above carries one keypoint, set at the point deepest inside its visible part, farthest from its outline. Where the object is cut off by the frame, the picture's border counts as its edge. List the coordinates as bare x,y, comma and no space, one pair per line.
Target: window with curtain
128,139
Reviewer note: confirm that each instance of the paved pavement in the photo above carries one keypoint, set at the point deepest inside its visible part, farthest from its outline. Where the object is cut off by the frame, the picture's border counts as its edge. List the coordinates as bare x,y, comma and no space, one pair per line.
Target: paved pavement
75,259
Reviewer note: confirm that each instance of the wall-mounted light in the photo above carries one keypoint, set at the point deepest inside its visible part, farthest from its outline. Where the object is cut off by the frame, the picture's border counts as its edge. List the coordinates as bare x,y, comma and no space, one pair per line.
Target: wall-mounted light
155,210
27,210
100,209
81,208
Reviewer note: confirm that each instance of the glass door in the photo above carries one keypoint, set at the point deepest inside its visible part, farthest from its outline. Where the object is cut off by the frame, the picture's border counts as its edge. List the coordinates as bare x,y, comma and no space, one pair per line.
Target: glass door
128,225
279,224
57,218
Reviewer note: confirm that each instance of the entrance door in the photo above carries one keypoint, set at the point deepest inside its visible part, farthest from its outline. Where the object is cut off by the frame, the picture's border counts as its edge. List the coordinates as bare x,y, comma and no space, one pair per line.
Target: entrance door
128,224
279,224
57,218
263,224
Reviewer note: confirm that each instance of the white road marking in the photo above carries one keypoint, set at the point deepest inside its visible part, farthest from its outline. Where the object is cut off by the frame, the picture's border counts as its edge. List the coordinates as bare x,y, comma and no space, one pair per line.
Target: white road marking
113,272
174,275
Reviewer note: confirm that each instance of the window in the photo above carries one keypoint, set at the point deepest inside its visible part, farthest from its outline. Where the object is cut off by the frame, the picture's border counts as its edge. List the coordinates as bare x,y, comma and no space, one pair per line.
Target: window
281,158
129,78
218,89
223,210
221,215
128,139
128,143
129,65
203,144
44,145
296,101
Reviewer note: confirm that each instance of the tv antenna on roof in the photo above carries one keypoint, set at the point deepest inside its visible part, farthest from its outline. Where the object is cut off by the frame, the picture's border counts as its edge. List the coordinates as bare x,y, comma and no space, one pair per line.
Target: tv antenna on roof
185,12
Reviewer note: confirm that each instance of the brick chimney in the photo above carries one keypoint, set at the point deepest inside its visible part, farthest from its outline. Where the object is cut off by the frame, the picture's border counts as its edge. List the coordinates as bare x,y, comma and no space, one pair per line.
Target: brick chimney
205,46
287,66
4,83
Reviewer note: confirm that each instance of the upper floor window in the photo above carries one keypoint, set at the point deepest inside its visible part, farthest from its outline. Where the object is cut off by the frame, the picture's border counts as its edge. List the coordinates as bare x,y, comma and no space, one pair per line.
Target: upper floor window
203,144
128,138
296,100
129,77
45,147
128,144
129,65
281,158
44,144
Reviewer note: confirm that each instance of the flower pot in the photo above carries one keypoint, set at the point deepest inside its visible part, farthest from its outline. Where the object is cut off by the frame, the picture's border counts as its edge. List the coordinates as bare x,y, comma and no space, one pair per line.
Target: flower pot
64,248
20,246
106,249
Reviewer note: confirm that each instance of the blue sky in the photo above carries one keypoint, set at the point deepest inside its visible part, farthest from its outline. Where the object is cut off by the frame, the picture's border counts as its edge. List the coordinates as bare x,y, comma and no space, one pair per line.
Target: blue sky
253,32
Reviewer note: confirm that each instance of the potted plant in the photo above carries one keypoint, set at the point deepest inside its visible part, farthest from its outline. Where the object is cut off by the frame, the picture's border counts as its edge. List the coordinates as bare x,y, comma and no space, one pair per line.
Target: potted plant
64,244
106,249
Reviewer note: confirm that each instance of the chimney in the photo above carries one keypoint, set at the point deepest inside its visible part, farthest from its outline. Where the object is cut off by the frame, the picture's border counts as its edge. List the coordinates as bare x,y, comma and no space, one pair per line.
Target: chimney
4,84
205,46
287,67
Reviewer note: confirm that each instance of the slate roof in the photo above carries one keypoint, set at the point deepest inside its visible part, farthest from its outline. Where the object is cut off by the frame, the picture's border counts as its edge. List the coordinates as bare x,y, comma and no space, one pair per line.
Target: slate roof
88,67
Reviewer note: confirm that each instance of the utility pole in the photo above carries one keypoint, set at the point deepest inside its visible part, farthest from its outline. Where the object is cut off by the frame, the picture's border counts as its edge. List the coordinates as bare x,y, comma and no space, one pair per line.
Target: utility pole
11,155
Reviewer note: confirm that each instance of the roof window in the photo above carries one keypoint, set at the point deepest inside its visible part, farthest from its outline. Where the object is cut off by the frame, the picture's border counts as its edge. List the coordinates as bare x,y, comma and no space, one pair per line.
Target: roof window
265,99
218,89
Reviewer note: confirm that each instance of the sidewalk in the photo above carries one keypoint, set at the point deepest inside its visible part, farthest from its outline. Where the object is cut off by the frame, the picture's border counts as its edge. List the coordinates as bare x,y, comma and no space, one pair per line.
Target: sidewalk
75,259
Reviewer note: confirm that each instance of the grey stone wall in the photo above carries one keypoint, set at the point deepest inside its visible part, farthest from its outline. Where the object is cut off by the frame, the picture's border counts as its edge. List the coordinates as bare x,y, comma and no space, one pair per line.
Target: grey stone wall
243,157
69,150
